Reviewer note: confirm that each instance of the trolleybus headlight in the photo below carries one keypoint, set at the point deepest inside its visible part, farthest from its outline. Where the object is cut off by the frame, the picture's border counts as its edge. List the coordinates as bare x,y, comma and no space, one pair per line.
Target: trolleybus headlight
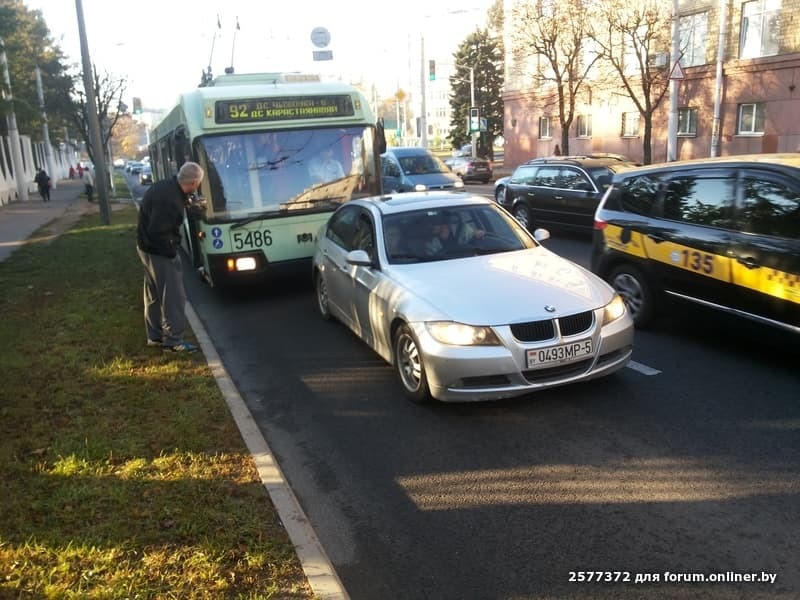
244,263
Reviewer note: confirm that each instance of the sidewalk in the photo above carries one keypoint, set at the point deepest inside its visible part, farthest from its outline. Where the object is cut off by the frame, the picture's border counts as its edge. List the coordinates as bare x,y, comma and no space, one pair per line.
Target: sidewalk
19,220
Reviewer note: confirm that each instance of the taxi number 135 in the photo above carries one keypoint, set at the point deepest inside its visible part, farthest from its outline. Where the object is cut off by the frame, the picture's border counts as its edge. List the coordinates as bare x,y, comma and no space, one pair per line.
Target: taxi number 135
698,261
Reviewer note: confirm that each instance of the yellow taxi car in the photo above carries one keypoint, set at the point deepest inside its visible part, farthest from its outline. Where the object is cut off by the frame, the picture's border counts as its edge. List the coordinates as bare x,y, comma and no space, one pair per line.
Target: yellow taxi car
721,232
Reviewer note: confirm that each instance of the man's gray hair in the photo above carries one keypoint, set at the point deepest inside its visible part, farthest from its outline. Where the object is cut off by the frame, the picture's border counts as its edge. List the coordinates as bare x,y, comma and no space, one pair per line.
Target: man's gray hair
190,172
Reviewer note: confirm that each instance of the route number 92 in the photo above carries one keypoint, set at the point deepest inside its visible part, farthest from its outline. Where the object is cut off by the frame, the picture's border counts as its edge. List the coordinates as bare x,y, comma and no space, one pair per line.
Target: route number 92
251,240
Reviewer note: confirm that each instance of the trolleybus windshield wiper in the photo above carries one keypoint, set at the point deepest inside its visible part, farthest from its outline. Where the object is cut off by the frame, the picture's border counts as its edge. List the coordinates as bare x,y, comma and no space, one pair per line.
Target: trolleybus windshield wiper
283,207
255,217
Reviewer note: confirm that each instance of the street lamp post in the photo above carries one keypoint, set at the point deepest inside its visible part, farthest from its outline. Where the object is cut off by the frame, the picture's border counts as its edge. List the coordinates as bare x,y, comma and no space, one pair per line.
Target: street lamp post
472,135
423,119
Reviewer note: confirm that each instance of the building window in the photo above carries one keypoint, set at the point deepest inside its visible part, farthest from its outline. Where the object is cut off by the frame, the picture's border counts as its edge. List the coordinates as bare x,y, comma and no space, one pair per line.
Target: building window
751,119
760,29
584,126
544,128
630,124
687,121
693,33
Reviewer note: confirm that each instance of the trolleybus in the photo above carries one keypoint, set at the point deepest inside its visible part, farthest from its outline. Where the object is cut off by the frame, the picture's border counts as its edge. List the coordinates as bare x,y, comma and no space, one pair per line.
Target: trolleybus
280,151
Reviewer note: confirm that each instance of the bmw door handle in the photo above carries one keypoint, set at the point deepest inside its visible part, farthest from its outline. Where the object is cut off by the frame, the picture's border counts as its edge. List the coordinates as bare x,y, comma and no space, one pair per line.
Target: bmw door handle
656,238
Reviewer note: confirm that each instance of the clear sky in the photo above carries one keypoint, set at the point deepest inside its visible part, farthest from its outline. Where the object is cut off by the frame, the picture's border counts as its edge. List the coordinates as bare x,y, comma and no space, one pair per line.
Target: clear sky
162,46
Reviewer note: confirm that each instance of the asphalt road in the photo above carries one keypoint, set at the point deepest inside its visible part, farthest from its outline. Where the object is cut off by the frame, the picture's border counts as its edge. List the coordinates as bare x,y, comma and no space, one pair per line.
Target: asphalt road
686,467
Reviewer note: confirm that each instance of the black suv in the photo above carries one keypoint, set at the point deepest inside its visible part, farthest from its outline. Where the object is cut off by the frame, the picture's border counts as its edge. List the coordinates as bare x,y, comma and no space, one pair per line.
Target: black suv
560,192
721,232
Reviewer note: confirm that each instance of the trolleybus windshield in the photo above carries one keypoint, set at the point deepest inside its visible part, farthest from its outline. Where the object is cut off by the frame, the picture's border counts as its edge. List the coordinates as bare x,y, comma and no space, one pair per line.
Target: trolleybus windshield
264,172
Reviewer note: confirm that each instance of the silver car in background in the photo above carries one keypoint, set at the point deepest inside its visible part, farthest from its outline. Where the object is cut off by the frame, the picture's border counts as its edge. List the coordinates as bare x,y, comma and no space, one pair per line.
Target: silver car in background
462,301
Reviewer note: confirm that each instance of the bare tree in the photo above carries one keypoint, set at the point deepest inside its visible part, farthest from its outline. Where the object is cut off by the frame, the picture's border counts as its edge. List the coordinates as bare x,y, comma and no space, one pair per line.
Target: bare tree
551,38
108,90
630,35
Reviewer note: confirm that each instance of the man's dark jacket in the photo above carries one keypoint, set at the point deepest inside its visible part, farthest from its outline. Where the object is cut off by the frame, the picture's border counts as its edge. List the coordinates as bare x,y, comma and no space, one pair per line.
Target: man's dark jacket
160,218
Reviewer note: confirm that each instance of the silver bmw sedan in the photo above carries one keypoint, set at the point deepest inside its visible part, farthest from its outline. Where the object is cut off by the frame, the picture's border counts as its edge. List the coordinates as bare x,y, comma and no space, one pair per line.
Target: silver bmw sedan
464,302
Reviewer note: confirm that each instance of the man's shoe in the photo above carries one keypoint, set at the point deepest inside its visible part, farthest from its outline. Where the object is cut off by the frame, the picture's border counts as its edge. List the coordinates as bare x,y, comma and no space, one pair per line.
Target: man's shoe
154,343
181,347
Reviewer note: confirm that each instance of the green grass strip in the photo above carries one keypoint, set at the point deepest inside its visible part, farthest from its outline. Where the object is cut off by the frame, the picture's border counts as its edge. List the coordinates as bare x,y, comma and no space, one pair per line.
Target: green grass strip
123,473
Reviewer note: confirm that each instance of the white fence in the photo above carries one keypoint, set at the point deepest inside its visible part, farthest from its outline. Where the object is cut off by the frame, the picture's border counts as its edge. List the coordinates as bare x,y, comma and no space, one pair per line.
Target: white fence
33,158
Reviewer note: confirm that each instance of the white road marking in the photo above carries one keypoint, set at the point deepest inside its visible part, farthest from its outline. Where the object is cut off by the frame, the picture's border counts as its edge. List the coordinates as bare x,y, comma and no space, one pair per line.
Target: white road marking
643,369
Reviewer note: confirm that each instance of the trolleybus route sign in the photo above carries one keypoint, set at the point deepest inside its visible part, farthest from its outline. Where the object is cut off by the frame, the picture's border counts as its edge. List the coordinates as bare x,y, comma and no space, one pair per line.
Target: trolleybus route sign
282,109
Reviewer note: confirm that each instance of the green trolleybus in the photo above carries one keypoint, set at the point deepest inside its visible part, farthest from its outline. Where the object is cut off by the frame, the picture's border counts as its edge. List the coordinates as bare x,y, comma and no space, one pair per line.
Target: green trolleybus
281,151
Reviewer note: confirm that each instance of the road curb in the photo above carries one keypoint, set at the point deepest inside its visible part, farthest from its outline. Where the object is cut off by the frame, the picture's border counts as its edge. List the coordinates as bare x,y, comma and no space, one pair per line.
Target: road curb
322,577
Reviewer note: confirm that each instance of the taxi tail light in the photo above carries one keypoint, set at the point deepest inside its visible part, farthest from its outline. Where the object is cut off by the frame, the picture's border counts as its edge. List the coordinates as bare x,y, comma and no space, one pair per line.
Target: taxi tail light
600,224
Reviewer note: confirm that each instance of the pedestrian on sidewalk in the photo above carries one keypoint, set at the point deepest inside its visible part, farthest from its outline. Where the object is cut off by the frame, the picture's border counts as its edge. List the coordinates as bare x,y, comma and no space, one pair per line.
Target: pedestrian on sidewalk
42,181
158,239
88,183
71,172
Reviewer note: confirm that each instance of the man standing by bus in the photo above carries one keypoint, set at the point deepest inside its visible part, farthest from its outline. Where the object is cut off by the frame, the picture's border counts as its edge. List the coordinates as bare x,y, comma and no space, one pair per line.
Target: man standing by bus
158,239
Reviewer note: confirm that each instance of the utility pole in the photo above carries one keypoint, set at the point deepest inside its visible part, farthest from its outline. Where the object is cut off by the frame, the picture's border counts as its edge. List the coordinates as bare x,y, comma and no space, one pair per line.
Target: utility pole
473,135
723,32
13,132
423,121
672,123
100,172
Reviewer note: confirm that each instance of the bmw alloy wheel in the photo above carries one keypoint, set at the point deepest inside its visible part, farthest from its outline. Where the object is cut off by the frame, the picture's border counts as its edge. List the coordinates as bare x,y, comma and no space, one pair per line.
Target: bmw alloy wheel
409,365
322,296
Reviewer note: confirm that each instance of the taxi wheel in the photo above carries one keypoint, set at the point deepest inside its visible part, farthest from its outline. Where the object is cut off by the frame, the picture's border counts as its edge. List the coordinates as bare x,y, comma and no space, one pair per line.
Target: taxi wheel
409,366
523,215
322,296
637,293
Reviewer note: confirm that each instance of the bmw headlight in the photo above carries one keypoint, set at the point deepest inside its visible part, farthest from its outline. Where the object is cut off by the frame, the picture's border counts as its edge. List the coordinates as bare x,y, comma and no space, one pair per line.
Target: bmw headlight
458,334
613,310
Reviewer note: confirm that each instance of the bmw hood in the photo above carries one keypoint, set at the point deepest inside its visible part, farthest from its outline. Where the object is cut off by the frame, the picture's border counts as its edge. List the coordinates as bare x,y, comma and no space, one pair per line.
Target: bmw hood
497,289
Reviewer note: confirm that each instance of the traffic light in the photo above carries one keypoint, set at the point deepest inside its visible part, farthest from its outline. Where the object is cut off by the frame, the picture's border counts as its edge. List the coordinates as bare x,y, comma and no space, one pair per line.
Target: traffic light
474,124
137,106
431,70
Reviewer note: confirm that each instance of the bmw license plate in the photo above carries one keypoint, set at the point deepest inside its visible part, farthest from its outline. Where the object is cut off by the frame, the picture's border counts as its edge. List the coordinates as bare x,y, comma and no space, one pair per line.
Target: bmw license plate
559,354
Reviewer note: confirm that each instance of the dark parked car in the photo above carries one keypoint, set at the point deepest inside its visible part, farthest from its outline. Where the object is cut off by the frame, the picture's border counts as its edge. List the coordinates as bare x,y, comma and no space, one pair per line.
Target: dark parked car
723,233
557,192
470,169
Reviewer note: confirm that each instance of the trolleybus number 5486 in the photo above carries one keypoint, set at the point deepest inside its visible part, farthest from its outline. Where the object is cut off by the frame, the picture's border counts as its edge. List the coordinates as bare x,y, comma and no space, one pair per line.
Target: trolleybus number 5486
243,240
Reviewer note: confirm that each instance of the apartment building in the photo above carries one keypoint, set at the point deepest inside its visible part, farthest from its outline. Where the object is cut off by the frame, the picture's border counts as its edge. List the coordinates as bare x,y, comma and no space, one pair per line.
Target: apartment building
737,89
